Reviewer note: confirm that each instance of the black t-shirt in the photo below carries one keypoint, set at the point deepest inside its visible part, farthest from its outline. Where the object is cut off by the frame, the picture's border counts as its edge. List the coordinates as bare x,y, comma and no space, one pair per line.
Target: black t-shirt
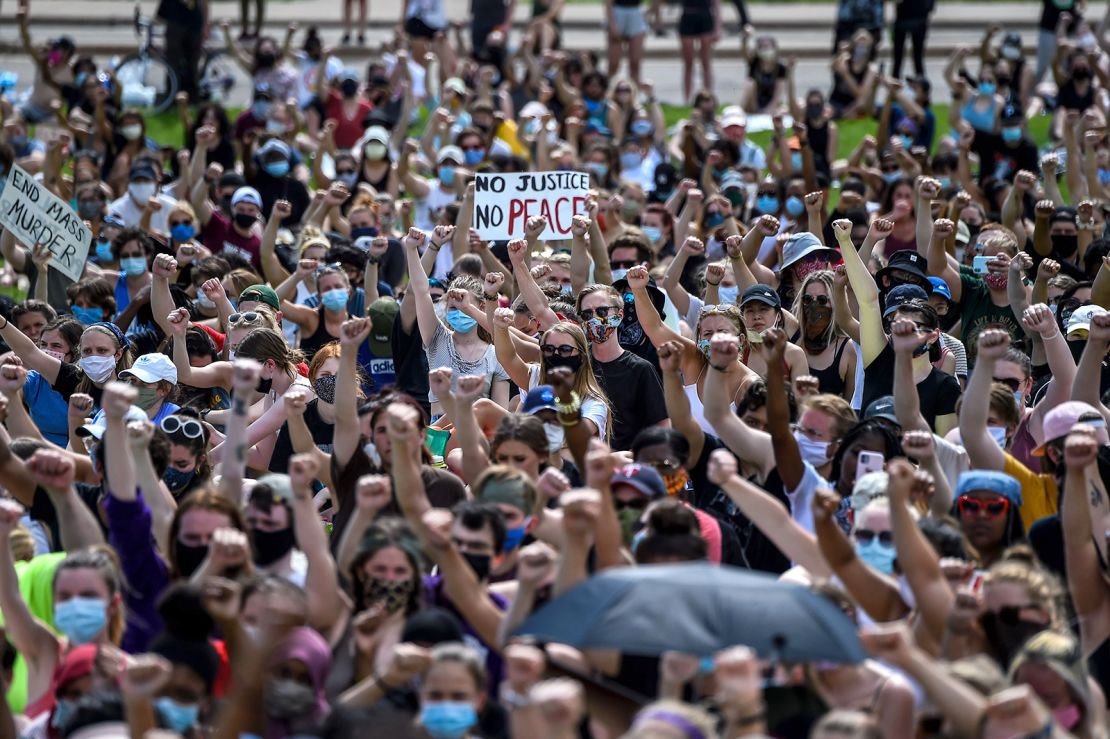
322,435
288,188
410,362
937,393
69,377
634,392
1003,161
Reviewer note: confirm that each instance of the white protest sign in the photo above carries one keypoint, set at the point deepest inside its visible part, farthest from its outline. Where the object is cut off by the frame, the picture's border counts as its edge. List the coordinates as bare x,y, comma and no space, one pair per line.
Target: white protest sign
503,203
34,215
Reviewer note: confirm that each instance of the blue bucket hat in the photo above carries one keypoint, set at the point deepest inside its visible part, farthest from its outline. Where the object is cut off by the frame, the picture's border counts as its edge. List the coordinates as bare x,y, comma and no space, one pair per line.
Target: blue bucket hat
991,481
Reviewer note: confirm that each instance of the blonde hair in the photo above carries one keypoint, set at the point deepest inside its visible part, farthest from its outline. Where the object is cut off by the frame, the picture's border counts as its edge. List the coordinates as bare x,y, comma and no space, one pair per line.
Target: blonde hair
825,277
241,279
184,206
22,544
831,405
264,344
1043,588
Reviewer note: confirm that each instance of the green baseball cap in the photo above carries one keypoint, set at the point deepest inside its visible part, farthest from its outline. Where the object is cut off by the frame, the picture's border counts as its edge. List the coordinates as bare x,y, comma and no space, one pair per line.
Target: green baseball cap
262,294
382,313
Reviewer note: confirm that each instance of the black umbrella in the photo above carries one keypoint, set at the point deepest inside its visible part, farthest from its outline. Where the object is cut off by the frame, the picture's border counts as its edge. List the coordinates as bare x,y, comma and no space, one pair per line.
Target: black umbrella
698,609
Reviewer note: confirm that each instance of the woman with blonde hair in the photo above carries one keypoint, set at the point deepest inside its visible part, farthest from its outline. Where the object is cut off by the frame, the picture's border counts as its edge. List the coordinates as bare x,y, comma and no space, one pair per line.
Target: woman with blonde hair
829,351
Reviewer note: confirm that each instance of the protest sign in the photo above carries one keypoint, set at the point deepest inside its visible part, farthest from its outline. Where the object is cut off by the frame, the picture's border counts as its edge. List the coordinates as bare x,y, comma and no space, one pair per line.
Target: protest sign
503,203
34,215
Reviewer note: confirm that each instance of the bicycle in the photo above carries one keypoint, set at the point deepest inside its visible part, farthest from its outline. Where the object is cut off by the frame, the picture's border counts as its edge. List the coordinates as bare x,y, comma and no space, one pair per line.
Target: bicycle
149,82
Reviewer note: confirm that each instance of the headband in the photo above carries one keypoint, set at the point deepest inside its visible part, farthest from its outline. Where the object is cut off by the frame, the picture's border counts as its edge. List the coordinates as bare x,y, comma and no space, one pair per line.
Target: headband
667,717
114,330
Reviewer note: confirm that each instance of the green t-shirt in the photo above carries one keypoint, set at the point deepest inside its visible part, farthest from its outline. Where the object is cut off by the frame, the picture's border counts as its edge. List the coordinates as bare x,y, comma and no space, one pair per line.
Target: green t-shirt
978,313
36,584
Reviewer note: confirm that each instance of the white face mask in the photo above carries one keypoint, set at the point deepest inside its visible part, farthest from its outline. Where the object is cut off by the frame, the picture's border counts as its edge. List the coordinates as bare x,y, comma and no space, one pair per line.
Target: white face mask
202,301
814,452
131,132
98,369
375,151
141,192
998,433
619,274
555,436
371,451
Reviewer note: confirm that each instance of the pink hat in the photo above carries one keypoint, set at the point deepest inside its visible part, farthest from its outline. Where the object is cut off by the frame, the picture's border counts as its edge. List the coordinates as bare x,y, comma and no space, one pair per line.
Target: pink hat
1059,421
710,530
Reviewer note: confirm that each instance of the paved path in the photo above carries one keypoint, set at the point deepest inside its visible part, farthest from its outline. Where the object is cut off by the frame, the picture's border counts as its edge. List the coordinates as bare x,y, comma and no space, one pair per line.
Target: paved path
103,28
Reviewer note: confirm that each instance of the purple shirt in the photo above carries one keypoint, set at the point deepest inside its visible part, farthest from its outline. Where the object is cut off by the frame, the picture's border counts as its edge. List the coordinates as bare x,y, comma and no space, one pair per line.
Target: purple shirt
144,570
435,594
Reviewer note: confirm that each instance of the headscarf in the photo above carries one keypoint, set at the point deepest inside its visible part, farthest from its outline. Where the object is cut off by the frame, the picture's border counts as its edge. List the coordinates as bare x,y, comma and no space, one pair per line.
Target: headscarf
309,648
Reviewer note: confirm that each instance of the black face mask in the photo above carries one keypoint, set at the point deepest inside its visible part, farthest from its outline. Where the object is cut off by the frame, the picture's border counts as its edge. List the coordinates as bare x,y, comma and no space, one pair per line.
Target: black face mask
189,558
270,546
1081,74
1006,633
1076,348
266,59
480,563
264,385
348,88
572,363
813,112
1065,244
244,220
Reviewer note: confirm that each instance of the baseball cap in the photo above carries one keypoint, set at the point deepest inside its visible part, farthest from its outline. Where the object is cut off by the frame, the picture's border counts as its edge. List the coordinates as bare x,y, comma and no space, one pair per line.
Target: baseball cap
902,294
800,245
1059,422
263,89
246,195
262,294
963,233
881,408
642,477
142,171
733,115
867,488
274,487
539,398
907,261
382,313
940,287
1080,318
274,146
99,424
763,294
730,179
377,133
456,85
991,481
152,368
452,152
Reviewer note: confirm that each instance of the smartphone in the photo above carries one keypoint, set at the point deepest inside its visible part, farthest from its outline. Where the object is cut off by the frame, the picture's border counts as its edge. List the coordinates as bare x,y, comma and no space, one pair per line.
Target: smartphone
979,264
975,584
869,462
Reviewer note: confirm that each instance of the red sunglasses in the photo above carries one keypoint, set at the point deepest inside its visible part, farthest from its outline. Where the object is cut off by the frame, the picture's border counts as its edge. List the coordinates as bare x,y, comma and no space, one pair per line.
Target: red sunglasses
993,507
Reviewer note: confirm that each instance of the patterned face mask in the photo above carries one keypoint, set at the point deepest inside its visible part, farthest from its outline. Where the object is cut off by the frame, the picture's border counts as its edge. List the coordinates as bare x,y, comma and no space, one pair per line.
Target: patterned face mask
325,388
393,593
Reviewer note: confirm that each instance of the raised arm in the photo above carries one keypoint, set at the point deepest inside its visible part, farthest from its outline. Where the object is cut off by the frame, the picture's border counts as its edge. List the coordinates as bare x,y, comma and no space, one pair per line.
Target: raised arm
678,405
906,338
657,332
417,187
756,448
533,295
1039,321
325,602
55,471
459,404
517,369
245,374
272,268
347,434
30,637
33,357
939,266
426,318
1088,588
157,496
983,451
1088,374
873,338
217,374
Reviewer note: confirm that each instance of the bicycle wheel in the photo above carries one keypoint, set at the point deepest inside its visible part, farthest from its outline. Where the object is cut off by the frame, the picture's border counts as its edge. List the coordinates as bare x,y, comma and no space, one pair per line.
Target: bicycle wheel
149,82
217,76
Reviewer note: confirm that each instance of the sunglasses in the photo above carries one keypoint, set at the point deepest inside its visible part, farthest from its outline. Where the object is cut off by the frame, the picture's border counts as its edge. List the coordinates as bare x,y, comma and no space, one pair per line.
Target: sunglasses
666,466
601,312
822,300
625,264
563,350
332,267
473,148
190,428
992,507
866,536
342,172
1009,382
248,317
186,222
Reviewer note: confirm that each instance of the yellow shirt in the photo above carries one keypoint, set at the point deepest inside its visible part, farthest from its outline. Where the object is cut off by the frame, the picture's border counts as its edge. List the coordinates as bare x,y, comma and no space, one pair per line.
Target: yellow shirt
1038,492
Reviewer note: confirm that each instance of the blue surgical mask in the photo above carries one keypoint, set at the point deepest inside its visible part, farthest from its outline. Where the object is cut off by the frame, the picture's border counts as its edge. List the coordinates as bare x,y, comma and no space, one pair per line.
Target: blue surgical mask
514,536
277,169
945,182
87,316
892,176
448,719
334,300
459,321
446,174
471,157
814,452
1011,134
641,127
63,709
713,220
631,160
998,433
619,274
768,204
133,266
348,178
796,161
703,347
104,251
878,555
986,87
795,206
183,232
728,295
261,108
178,717
81,619
1019,398
177,480
600,170
653,233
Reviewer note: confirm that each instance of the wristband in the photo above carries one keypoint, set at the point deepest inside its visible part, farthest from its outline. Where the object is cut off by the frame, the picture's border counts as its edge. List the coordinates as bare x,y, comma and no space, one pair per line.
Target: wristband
374,260
566,409
434,245
487,296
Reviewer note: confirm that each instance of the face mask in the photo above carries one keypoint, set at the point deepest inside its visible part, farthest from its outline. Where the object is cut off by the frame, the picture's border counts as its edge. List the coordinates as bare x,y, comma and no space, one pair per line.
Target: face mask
619,274
642,127
277,169
767,53
177,480
374,151
1005,639
471,157
446,175
141,192
566,289
357,233
767,204
147,397
288,699
459,321
1068,716
81,619
201,301
133,266
104,251
894,176
987,88
334,300
704,347
348,88
87,316
598,331
183,232
98,369
63,709
795,206
89,209
60,356
266,59
995,280
131,132
261,108
275,127
178,717
814,452
370,449
189,558
1019,398
572,363
555,436
728,295
480,564
676,482
1012,53
877,556
245,220
270,546
325,388
347,178
630,523
447,719
814,110
796,163
631,160
1011,134
654,234
713,220
264,384
394,594
998,433
600,170
1065,244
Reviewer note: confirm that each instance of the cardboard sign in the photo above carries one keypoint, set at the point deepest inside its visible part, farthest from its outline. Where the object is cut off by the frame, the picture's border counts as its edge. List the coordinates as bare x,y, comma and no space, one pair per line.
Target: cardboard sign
34,215
503,203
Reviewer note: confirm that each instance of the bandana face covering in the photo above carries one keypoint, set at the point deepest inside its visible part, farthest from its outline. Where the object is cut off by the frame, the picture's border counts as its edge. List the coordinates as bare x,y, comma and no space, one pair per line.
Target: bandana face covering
676,482
393,593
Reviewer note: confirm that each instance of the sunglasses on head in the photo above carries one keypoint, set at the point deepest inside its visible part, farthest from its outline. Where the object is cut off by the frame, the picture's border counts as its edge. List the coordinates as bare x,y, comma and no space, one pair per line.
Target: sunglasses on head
248,317
190,428
1009,382
866,536
332,267
822,300
563,350
992,507
601,312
